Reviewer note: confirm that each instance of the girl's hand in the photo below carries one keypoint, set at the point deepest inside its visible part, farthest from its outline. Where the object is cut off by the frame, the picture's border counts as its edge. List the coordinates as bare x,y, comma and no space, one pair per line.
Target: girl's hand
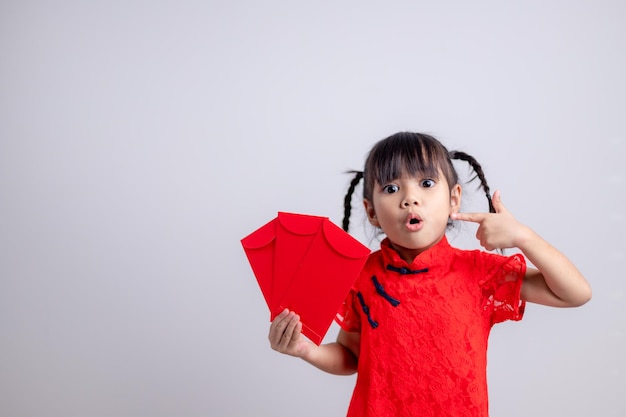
497,230
286,335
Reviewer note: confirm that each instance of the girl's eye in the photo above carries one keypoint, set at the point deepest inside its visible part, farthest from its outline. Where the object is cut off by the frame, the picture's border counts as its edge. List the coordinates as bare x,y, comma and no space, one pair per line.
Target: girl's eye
391,188
428,183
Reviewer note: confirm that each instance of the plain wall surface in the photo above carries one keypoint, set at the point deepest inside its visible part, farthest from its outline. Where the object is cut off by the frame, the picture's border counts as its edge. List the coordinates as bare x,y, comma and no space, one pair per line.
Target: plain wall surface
140,141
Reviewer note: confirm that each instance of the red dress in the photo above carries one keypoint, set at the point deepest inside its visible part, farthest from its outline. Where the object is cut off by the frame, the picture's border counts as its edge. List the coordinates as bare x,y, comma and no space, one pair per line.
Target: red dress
424,329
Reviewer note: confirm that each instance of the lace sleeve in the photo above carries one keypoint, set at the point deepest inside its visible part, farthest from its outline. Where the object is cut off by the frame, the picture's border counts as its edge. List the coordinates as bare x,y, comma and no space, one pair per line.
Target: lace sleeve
347,316
501,288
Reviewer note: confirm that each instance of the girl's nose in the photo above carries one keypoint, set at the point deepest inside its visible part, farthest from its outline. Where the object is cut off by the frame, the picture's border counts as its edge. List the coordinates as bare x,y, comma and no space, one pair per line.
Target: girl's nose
411,196
409,200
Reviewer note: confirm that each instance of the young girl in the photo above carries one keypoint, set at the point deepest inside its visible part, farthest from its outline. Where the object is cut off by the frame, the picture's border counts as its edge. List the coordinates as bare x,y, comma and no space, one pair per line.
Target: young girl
416,322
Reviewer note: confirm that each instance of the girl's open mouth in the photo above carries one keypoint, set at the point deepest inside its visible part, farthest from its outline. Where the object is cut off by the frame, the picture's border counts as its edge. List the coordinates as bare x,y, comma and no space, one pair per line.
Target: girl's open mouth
414,223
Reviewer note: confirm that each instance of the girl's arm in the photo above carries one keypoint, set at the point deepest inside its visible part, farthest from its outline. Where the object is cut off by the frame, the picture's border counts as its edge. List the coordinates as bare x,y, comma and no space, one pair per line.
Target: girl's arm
556,281
339,358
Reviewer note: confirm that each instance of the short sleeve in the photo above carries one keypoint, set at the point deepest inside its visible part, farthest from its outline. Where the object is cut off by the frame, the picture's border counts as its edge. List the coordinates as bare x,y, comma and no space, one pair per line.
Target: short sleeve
348,316
501,288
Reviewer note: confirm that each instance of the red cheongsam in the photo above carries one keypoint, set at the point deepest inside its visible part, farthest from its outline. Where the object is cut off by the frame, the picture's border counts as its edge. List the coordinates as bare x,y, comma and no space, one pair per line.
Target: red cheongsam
424,329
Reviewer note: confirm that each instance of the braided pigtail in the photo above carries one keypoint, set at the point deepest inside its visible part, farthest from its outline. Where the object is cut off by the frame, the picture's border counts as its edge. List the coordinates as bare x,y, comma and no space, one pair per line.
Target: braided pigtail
347,201
462,156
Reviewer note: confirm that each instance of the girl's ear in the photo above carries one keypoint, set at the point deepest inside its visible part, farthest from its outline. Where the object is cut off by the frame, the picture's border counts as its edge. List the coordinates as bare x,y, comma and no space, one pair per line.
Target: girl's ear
371,213
455,199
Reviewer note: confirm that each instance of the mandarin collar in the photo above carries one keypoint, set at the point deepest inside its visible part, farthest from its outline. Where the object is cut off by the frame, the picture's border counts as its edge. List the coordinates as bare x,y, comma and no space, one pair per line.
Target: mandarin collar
440,253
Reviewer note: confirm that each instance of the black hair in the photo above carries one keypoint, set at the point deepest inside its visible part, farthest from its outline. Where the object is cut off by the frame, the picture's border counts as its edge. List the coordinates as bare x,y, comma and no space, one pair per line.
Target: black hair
410,153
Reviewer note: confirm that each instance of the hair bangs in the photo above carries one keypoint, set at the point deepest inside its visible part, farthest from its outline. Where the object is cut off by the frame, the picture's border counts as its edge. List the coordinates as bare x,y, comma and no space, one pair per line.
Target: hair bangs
407,154
407,158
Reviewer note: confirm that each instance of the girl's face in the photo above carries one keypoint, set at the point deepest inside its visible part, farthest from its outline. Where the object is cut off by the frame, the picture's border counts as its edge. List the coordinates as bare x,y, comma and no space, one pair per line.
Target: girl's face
413,212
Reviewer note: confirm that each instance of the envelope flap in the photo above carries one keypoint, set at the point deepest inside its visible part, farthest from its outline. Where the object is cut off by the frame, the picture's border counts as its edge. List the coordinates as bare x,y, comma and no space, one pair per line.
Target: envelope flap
342,242
300,224
261,237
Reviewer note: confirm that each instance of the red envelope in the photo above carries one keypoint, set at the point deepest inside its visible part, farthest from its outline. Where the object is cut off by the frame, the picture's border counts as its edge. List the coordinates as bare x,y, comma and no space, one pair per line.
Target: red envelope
332,263
294,235
259,248
307,264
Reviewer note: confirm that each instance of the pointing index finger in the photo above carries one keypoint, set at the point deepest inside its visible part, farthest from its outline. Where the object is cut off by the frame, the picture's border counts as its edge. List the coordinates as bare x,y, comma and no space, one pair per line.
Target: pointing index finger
469,217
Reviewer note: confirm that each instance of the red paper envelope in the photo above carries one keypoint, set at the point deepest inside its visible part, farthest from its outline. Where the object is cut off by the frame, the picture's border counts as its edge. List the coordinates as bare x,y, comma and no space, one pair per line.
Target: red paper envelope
294,235
259,248
307,264
332,263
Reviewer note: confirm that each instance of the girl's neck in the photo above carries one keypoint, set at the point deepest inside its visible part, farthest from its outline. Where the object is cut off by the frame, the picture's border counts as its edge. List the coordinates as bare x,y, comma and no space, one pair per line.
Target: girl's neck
408,255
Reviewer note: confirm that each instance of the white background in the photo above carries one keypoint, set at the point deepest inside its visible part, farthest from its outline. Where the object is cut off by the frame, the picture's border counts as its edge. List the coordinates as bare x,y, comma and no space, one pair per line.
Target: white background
141,140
